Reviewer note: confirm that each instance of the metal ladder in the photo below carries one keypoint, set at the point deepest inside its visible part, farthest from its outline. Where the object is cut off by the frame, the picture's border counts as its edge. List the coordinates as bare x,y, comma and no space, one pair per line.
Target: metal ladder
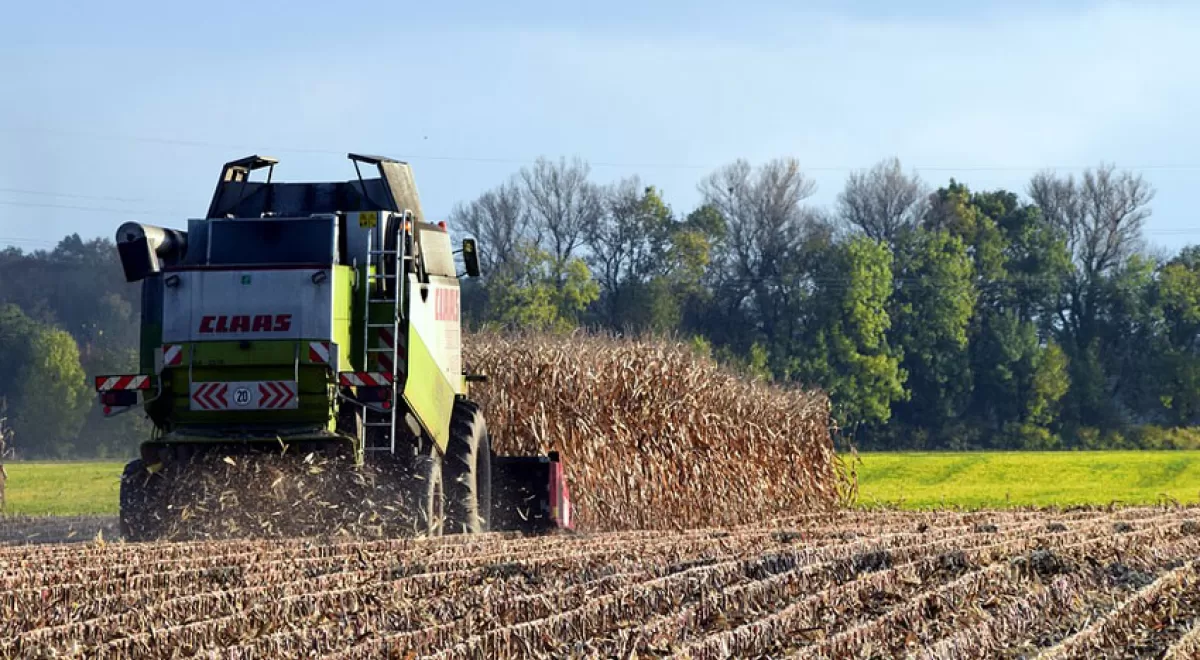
374,293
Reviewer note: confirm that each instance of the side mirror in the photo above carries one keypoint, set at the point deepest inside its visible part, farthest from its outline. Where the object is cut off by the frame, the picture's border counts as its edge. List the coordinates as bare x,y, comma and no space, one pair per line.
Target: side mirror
470,257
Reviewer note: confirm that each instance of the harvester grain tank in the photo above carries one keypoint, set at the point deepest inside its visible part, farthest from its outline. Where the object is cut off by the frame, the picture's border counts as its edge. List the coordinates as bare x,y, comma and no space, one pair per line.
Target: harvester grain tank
325,317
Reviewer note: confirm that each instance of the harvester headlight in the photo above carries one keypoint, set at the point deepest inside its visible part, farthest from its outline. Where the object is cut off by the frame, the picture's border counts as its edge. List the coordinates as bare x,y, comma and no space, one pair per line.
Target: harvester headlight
172,281
319,277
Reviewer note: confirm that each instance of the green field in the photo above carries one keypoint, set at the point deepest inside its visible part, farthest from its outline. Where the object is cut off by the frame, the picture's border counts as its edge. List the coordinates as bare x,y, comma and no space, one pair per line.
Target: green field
999,479
930,480
62,489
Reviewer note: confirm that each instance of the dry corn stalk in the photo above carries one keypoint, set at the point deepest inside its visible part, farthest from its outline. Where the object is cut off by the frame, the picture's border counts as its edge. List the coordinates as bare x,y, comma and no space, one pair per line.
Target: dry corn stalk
654,435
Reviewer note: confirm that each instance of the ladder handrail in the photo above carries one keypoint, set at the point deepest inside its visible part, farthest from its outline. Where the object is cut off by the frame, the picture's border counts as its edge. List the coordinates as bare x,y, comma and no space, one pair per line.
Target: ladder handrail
376,259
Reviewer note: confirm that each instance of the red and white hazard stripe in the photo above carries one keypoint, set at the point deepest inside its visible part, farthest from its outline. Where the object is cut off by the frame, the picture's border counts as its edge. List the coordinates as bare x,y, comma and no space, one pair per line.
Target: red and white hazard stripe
107,383
318,352
365,378
385,359
172,355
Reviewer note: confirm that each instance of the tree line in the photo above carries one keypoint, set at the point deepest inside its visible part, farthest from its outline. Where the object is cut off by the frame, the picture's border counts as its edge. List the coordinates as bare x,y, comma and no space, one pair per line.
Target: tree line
936,318
66,315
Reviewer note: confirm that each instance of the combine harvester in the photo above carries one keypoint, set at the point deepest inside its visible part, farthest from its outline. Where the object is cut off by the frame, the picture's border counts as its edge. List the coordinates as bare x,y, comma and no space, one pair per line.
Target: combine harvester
322,318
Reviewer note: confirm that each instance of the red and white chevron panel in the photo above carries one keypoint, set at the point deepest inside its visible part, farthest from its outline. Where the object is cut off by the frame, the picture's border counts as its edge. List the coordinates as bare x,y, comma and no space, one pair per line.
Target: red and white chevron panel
209,396
245,395
172,355
318,352
133,382
365,378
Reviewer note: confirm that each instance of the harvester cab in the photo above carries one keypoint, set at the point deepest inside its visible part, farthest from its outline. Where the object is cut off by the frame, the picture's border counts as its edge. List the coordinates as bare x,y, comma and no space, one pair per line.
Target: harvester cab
325,317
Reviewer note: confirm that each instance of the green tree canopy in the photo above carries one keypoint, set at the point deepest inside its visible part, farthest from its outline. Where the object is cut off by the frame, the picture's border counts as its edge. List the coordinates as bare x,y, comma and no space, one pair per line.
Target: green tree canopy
44,384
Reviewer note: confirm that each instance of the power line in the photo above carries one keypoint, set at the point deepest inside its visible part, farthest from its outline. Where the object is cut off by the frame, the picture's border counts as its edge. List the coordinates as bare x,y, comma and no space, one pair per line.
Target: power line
509,160
104,198
81,208
21,239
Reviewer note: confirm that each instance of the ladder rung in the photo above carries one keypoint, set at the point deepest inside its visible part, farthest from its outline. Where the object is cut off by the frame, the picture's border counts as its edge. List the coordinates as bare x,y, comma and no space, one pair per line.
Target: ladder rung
377,424
376,276
390,253
381,325
381,350
381,300
387,448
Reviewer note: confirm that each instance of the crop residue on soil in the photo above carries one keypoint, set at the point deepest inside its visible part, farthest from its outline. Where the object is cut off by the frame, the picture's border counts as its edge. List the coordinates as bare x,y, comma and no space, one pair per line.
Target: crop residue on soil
1088,583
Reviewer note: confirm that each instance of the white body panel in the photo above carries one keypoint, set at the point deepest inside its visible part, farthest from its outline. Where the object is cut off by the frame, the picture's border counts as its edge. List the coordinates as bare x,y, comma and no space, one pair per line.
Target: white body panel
435,317
222,305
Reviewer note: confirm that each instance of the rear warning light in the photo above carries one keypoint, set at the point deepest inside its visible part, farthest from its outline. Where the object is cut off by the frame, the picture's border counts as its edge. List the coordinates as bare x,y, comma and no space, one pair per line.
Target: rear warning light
375,395
119,398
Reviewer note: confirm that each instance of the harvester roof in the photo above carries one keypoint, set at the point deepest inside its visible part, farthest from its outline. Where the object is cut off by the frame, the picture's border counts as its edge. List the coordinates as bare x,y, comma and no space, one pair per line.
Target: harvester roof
393,189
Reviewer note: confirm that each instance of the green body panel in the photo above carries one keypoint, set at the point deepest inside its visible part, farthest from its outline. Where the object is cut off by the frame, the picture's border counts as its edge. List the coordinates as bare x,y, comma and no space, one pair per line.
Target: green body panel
250,361
427,391
343,306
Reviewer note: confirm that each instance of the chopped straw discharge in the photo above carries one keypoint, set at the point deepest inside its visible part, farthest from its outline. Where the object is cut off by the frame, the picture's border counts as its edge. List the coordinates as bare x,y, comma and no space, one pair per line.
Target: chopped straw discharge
654,435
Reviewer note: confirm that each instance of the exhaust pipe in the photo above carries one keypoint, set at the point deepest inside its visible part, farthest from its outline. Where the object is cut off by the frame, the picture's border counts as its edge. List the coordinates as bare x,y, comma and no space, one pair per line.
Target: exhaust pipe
145,248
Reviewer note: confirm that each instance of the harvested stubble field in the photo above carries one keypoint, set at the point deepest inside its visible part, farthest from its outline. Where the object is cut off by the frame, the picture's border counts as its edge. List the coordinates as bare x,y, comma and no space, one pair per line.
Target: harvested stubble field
1087,583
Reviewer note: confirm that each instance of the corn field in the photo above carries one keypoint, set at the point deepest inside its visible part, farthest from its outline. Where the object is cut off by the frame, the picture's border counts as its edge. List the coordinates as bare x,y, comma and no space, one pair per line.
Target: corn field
654,435
1095,583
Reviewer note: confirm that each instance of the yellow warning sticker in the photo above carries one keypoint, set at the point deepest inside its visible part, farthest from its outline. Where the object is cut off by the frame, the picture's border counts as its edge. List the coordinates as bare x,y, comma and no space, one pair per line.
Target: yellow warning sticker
368,219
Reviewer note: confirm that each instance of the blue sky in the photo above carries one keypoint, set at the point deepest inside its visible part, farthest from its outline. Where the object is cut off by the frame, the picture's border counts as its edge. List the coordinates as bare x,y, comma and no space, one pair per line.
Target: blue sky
125,111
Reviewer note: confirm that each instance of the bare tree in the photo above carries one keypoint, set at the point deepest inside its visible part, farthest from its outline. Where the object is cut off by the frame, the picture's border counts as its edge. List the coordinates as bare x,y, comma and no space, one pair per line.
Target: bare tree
764,212
883,200
630,242
768,225
612,239
563,205
499,220
1102,214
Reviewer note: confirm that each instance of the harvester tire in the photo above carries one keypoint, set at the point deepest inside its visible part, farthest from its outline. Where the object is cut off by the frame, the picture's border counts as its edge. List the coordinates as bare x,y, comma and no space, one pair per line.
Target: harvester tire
140,498
468,472
428,494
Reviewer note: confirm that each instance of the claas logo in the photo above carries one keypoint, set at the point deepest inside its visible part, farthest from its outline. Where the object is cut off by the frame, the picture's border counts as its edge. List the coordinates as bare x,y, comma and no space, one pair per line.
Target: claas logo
445,305
245,323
